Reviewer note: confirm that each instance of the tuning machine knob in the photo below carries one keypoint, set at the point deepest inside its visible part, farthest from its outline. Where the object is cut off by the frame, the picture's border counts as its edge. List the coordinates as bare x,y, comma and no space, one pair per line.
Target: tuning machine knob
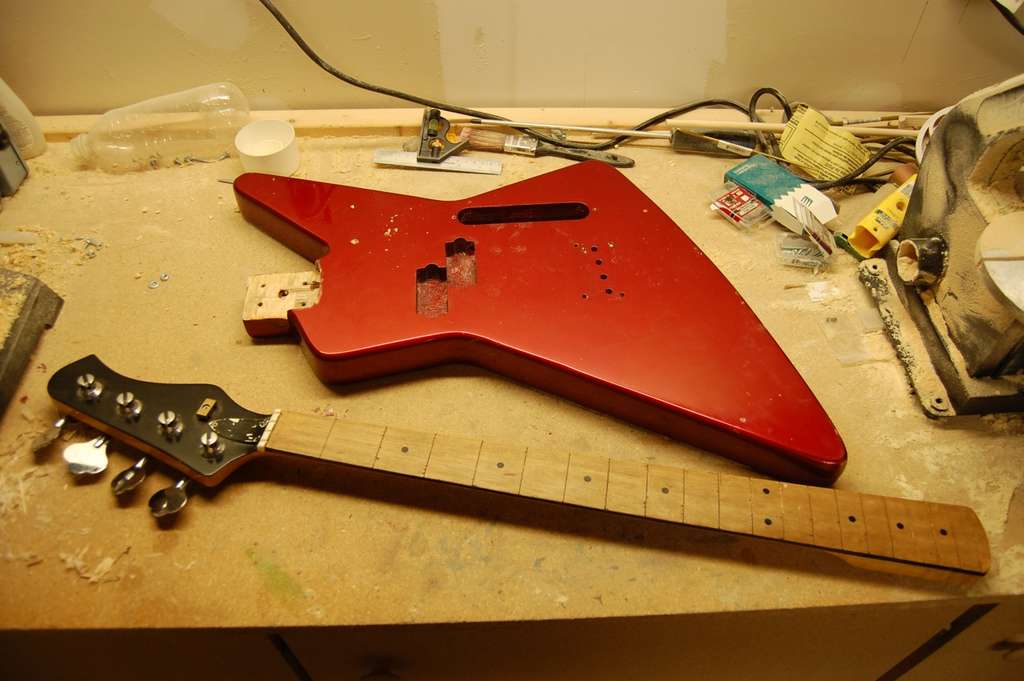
130,478
212,446
88,387
87,458
170,423
170,500
128,404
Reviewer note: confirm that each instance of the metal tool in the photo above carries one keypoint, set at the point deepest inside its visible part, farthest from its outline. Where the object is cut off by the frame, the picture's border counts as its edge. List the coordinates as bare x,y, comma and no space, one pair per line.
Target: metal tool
526,145
437,139
458,164
951,291
680,140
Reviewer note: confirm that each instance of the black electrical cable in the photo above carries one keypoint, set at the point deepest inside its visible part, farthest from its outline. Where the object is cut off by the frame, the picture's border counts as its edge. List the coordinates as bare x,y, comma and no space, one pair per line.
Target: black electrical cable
854,176
768,141
750,110
398,94
1010,17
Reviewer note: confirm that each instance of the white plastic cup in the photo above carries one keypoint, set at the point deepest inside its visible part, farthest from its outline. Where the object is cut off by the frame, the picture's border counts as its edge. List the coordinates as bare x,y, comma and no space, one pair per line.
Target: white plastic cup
268,147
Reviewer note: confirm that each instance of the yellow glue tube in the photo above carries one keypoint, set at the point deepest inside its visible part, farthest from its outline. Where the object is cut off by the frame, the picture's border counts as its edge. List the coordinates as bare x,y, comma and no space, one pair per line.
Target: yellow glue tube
883,221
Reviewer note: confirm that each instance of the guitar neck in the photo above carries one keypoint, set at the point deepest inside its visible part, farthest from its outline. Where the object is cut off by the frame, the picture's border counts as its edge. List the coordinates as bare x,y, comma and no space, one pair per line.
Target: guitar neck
887,528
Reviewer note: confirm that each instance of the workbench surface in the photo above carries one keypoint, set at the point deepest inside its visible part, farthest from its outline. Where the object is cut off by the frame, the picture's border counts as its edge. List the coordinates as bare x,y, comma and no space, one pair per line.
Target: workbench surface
312,544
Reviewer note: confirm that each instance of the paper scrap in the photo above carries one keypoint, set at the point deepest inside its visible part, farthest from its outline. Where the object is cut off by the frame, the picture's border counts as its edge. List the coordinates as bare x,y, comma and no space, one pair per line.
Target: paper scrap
805,211
811,143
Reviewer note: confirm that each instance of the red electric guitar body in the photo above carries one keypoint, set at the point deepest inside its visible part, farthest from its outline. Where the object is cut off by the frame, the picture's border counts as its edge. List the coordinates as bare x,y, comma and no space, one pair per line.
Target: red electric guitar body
574,282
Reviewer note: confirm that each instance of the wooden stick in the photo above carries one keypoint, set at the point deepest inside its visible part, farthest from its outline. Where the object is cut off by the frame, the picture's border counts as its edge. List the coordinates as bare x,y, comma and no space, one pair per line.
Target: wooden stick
404,122
748,126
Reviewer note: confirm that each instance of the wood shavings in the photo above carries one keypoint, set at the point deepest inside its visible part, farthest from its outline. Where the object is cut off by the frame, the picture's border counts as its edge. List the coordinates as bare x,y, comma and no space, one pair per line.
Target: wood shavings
75,562
28,557
14,490
48,256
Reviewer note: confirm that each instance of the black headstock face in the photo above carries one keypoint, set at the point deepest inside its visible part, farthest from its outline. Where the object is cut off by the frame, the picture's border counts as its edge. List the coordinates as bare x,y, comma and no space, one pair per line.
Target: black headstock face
196,428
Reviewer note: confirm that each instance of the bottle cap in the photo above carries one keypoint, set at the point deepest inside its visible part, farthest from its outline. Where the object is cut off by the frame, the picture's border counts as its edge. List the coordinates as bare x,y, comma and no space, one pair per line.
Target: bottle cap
268,146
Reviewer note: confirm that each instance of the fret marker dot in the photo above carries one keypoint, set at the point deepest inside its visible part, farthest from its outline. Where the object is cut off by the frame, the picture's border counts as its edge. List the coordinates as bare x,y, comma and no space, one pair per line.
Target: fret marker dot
501,464
943,532
664,490
767,521
405,450
586,478
766,490
853,518
899,526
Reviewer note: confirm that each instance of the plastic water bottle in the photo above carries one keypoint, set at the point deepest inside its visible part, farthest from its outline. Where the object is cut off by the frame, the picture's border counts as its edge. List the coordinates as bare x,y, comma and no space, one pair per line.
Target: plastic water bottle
175,129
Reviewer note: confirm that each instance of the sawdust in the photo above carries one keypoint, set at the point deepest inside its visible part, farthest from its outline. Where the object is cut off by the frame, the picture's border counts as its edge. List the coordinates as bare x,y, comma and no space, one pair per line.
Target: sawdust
49,256
76,562
15,482
29,558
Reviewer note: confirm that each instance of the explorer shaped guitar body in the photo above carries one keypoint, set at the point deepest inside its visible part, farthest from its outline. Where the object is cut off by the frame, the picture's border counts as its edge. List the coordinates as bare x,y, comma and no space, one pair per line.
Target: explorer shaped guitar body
574,282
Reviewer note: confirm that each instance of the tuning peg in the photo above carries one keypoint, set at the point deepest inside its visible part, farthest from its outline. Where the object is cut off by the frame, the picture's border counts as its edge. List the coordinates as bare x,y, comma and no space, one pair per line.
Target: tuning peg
54,431
170,500
87,458
129,405
89,387
212,446
170,423
130,478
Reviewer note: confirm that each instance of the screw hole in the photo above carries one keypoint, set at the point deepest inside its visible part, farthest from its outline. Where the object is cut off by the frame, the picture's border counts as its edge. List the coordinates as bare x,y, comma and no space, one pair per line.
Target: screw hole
608,291
593,248
766,490
405,450
259,304
767,521
604,276
263,285
599,262
943,532
664,490
283,293
852,518
584,296
501,464
899,526
622,295
586,478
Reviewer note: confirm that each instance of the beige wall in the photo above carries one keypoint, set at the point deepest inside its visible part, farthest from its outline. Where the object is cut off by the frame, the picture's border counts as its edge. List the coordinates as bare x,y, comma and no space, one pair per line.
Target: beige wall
70,56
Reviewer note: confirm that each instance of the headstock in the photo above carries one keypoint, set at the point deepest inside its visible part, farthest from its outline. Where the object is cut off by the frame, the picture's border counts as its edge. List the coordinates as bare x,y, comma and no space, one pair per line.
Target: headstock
195,428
